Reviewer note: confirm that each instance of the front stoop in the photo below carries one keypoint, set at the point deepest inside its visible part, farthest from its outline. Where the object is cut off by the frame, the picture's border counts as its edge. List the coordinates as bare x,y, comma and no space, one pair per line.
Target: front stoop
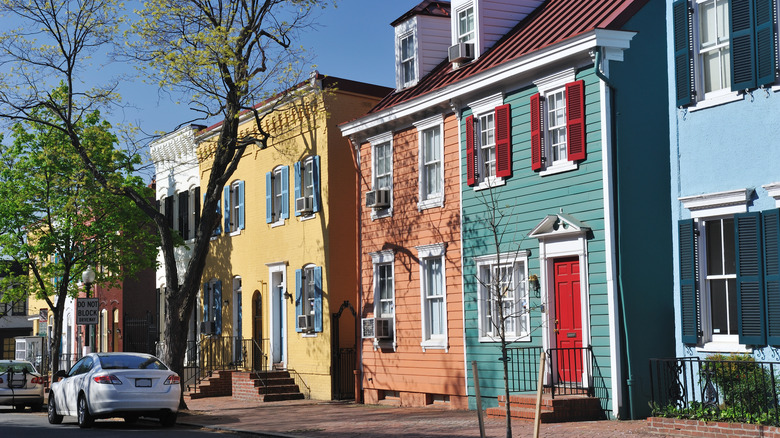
265,386
218,384
561,409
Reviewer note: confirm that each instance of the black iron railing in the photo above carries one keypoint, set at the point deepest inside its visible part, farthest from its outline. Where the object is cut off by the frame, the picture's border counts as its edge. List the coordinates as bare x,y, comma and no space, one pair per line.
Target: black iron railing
567,370
219,353
739,389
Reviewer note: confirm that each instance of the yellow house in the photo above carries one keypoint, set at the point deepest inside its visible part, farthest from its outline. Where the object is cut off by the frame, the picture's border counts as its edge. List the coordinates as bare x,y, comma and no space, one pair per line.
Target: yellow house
283,260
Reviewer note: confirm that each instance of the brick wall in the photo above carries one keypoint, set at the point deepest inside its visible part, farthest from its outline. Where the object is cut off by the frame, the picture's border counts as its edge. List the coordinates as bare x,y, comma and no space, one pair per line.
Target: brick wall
694,428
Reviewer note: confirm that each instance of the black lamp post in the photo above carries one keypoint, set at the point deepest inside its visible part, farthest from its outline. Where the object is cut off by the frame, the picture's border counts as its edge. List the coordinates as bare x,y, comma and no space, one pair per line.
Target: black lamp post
88,277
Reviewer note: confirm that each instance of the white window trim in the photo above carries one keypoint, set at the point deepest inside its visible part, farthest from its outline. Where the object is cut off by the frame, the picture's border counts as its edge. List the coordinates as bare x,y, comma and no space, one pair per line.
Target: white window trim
705,207
513,258
774,191
423,125
280,220
436,250
409,30
384,257
304,162
477,33
545,86
386,137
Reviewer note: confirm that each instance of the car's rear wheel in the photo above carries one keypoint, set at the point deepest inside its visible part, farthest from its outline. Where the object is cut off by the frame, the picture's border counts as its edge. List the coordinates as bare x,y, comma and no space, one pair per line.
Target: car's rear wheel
84,418
54,418
168,419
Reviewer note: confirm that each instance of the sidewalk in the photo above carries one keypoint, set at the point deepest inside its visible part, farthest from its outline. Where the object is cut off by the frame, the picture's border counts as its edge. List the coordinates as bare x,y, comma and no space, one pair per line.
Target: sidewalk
311,418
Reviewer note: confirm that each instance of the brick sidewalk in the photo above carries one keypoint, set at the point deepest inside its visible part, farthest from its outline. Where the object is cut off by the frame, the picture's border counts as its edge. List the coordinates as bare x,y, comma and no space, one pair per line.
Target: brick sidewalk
311,418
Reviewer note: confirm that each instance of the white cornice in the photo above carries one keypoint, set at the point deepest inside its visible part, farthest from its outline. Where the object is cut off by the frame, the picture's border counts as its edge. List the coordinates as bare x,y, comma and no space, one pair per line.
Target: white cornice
713,204
774,191
610,39
174,147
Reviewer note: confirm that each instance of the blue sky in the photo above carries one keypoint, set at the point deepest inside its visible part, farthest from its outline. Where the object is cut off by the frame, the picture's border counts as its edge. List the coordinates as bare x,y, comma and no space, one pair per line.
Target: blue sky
353,41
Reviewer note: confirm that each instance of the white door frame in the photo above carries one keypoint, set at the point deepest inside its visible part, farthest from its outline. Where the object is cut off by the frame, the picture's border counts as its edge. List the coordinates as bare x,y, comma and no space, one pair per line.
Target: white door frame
277,305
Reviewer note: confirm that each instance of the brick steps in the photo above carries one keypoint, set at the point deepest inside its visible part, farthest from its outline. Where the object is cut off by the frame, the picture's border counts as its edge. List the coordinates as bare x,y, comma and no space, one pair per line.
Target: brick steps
562,408
265,387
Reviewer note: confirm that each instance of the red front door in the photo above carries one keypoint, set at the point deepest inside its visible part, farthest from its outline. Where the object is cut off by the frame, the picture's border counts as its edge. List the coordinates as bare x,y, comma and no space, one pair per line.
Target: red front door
568,319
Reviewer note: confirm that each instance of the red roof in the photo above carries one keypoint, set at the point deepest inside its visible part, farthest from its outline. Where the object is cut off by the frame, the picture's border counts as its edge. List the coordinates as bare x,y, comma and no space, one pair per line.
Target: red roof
552,22
427,7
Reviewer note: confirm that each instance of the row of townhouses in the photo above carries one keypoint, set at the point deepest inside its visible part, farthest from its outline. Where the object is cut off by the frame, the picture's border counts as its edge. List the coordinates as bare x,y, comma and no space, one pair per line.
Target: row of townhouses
557,174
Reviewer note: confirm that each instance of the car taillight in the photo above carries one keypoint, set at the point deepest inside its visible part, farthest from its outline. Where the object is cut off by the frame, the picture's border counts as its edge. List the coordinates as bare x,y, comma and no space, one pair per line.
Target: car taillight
37,380
173,379
109,379
1,380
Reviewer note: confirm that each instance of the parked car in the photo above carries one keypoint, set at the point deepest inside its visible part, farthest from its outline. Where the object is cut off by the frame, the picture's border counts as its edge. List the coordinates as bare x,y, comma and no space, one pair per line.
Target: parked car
20,385
105,385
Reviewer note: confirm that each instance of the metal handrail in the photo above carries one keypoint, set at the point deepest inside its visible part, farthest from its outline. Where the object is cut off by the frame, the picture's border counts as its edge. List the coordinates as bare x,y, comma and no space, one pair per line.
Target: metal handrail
569,370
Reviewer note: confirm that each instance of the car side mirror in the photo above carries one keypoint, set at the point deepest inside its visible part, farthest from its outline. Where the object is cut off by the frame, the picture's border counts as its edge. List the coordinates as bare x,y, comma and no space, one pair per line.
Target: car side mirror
59,375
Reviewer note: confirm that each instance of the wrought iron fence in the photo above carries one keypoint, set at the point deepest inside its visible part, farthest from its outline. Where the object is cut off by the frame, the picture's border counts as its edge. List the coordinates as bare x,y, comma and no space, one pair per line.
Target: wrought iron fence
523,368
738,390
217,353
568,370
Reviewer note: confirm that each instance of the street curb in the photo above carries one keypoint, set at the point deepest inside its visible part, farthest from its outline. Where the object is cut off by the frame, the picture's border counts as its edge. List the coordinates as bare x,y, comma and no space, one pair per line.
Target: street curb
239,431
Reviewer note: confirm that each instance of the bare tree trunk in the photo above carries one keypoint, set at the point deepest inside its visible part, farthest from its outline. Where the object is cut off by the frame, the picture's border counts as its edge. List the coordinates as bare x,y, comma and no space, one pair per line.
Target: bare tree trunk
505,360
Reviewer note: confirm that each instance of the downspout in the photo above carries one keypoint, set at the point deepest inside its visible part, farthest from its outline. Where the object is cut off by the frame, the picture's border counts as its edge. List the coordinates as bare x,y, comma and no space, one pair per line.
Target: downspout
618,223
358,338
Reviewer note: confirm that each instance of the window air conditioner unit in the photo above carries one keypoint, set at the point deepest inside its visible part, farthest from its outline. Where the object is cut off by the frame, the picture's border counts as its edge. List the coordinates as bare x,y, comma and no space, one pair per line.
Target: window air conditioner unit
384,328
378,199
304,205
208,328
461,52
306,323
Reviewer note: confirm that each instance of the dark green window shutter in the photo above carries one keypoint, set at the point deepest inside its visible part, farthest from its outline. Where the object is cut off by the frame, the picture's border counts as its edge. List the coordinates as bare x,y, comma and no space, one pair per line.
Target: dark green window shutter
771,222
750,285
765,42
689,287
743,56
683,62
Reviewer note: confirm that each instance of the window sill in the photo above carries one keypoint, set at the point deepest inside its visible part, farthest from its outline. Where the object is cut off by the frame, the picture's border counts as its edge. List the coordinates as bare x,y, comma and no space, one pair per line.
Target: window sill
278,223
559,168
379,214
435,344
509,339
385,344
308,335
723,347
430,203
307,217
235,233
490,182
720,99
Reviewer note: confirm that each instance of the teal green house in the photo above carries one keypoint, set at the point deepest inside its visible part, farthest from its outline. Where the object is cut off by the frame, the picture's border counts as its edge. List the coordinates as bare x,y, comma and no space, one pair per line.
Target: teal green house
565,182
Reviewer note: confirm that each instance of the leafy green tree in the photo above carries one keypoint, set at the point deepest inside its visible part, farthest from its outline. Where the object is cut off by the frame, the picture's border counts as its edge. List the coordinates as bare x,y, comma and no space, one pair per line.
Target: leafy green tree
55,219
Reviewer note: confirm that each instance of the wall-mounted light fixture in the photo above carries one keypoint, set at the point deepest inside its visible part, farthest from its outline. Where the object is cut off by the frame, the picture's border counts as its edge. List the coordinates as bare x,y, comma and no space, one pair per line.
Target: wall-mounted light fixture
287,296
533,281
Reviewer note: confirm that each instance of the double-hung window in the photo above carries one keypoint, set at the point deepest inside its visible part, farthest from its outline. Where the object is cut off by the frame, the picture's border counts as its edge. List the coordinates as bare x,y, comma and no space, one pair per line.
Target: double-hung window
721,46
234,207
729,275
277,198
408,66
558,123
212,308
307,186
488,143
431,174
433,295
503,297
308,299
384,286
382,174
466,27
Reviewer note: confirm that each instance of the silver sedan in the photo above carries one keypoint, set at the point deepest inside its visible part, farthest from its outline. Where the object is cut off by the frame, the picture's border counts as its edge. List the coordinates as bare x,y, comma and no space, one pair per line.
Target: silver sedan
104,385
20,385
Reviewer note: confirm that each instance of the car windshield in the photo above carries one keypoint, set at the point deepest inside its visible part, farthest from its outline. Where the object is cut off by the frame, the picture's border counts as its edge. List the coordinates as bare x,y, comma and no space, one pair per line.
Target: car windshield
16,367
130,362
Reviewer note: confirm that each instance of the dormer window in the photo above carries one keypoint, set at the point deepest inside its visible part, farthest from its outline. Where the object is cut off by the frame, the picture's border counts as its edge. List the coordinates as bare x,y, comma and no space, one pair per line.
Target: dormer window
466,31
407,52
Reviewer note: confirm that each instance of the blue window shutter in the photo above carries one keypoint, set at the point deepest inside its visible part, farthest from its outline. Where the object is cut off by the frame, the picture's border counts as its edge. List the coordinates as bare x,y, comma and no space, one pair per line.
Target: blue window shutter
741,44
218,307
318,299
750,285
218,230
316,183
689,287
228,228
269,197
683,61
771,222
241,205
298,297
297,182
285,192
765,42
206,304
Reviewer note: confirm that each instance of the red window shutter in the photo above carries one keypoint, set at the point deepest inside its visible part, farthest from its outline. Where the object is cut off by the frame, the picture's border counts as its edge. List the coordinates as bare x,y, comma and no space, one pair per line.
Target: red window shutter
575,120
471,156
503,118
536,132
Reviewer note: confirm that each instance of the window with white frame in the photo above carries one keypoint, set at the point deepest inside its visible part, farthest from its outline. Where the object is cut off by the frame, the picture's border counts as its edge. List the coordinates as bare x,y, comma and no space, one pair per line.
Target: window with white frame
383,166
721,278
503,297
466,29
307,186
722,46
433,295
278,192
384,286
487,145
558,123
488,142
431,174
407,54
380,198
234,207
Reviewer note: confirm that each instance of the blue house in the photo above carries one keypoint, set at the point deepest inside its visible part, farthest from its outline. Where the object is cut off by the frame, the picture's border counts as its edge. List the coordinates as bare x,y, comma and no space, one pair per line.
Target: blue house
725,150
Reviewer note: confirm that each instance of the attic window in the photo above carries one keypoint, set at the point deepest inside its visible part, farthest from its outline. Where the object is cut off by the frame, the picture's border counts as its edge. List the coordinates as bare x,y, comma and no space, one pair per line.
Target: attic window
407,52
466,31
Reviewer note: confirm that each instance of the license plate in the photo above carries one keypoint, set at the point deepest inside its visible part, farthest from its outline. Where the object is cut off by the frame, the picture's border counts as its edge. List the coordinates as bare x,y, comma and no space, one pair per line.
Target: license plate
143,383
